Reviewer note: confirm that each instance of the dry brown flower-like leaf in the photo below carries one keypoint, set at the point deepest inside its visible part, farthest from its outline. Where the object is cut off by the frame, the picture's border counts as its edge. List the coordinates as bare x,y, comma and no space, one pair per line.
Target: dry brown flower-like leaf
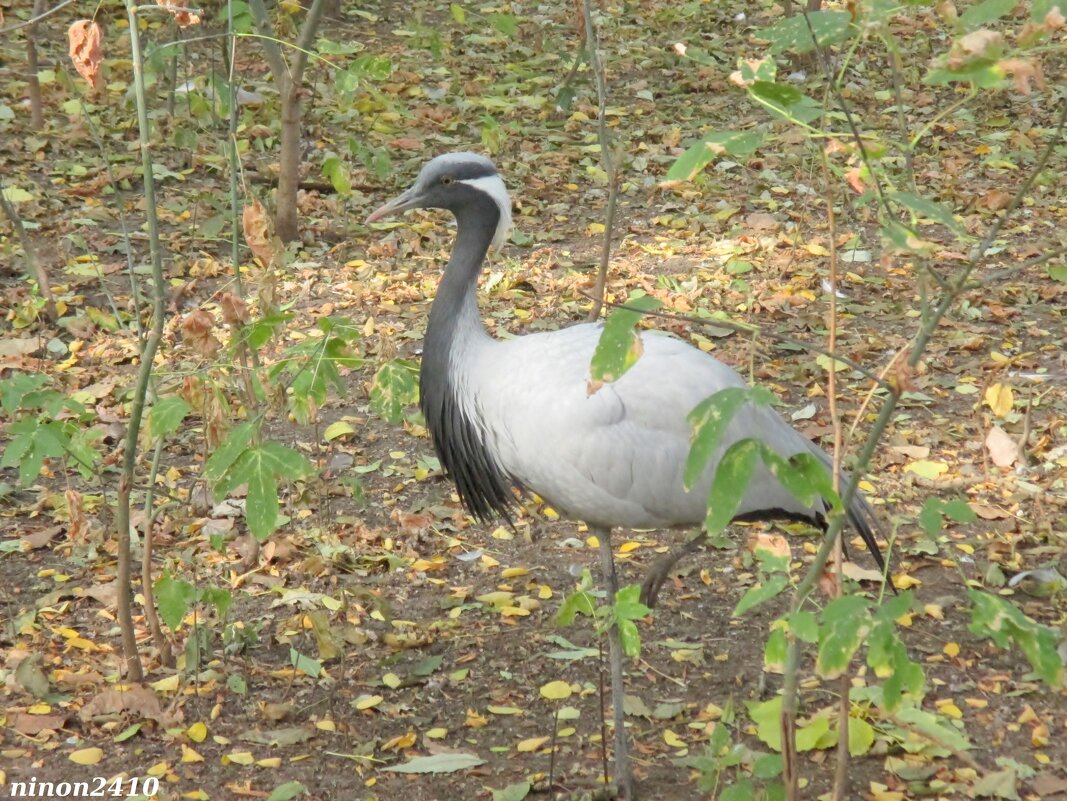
182,14
198,333
234,309
1023,72
258,232
84,37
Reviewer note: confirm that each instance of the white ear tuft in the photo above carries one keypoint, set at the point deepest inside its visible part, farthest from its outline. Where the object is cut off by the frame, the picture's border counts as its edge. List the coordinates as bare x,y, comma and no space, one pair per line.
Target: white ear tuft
493,186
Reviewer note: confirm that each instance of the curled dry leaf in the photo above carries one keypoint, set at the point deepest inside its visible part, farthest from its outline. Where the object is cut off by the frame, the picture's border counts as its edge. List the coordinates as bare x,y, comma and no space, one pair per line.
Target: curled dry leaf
198,333
84,37
79,524
976,45
258,232
182,14
234,310
1023,72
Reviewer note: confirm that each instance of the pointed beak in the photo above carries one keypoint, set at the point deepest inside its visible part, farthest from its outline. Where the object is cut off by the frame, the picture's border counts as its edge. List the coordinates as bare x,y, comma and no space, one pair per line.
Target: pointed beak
402,202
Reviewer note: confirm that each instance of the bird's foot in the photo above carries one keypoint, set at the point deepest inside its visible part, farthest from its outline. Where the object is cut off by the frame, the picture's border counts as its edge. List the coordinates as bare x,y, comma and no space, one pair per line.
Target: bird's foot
651,586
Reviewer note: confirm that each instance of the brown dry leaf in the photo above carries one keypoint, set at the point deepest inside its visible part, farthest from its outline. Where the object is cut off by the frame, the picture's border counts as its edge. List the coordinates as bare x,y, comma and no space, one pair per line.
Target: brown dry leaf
854,178
79,525
996,199
1023,72
761,221
234,310
198,333
33,725
139,702
258,232
84,38
1003,450
978,44
774,544
182,15
407,143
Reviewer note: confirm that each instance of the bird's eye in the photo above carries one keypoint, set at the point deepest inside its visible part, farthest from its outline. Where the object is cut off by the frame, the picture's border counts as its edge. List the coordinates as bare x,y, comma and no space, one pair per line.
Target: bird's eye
446,180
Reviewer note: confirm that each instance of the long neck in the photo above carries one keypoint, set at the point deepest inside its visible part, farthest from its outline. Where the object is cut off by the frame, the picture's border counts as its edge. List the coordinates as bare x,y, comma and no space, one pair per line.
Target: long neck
454,314
449,401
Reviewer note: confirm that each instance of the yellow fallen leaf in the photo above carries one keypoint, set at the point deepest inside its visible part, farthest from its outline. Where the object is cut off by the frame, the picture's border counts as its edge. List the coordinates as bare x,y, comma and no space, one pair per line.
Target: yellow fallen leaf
556,690
673,740
531,744
902,581
1000,399
401,742
87,756
238,758
514,572
368,702
197,732
269,762
629,547
926,468
437,733
475,720
189,755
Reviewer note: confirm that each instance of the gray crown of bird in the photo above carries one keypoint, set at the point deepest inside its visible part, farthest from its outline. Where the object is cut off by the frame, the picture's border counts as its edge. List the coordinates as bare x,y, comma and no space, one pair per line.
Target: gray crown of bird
516,414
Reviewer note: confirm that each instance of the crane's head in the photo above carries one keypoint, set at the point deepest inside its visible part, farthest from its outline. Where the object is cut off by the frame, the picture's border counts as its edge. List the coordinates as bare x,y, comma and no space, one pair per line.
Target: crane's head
454,181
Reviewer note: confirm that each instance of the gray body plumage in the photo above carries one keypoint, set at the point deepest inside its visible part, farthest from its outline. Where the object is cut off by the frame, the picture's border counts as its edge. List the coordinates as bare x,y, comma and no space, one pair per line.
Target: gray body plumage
517,413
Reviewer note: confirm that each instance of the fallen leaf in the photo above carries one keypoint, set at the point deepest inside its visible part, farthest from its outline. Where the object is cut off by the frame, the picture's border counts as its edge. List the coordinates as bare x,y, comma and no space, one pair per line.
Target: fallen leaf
1003,450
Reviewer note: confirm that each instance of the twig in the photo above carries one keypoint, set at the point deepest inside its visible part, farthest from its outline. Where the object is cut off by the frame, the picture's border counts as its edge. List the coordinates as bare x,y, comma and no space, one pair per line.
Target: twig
37,17
607,158
35,271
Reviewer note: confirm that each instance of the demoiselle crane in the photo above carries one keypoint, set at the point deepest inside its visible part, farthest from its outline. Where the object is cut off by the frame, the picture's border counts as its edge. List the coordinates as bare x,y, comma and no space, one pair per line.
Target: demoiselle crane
518,414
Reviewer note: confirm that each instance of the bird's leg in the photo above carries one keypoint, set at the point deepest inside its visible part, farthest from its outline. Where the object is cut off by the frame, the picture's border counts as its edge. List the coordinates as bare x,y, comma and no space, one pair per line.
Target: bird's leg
624,781
659,571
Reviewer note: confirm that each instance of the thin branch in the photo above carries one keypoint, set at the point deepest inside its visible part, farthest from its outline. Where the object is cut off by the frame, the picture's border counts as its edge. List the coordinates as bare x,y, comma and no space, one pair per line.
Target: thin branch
607,158
35,271
271,50
37,18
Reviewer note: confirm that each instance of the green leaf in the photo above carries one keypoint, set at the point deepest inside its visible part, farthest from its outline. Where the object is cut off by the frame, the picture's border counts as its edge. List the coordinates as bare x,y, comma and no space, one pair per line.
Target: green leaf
620,346
287,791
166,415
805,626
628,604
776,651
459,14
507,24
741,790
710,419
513,792
933,726
732,476
760,593
808,737
985,12
305,664
922,207
767,715
793,33
260,467
959,510
1001,621
395,387
860,737
845,623
577,603
629,638
336,171
736,144
236,442
930,517
438,763
173,598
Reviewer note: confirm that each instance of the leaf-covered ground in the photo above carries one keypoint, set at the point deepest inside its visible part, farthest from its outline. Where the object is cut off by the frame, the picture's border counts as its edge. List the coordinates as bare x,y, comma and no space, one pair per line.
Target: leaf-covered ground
436,635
